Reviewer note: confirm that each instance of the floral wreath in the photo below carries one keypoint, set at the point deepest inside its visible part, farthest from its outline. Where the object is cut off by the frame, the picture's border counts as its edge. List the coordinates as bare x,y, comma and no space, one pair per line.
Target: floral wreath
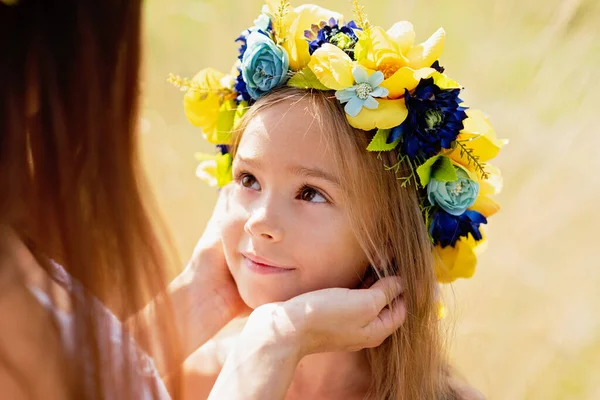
389,85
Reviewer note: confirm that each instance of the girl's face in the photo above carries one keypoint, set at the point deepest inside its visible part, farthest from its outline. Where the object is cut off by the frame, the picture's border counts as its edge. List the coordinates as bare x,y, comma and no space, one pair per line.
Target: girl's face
287,232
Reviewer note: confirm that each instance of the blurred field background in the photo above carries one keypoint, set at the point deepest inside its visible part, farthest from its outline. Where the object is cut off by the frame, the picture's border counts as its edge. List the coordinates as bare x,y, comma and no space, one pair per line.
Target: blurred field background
527,325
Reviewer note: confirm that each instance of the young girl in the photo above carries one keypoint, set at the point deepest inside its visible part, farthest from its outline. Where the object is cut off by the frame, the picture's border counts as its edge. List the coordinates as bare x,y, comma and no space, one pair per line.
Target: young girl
347,167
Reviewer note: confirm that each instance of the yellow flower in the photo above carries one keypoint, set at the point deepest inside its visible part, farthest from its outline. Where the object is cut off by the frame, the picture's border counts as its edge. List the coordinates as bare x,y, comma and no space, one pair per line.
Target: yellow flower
332,67
389,114
479,136
484,204
202,102
405,78
214,169
296,22
393,52
388,51
459,261
403,34
377,50
426,53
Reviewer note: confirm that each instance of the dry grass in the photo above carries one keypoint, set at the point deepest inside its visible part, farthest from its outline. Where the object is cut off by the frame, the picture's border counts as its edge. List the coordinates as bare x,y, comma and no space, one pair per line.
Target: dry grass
525,326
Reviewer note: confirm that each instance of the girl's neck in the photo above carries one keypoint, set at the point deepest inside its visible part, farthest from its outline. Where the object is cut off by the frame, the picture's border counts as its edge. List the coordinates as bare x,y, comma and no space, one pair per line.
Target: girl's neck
344,375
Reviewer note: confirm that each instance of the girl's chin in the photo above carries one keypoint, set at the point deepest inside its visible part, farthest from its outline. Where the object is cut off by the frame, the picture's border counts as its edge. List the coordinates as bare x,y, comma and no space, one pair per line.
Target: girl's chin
256,299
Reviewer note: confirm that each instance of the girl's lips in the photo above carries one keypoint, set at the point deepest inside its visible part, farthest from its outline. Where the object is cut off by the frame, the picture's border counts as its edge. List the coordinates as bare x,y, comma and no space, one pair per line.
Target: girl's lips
263,266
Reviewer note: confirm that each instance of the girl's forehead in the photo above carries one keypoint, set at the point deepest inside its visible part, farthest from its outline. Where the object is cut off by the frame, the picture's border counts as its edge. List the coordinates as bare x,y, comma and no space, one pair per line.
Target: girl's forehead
286,135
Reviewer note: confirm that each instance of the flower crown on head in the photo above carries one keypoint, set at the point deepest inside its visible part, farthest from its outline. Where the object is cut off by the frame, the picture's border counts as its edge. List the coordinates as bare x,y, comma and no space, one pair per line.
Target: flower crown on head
389,85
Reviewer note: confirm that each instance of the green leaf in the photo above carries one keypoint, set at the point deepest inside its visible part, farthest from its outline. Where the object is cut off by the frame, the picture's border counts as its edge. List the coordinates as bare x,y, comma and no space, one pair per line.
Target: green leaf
439,168
444,170
424,170
378,143
306,79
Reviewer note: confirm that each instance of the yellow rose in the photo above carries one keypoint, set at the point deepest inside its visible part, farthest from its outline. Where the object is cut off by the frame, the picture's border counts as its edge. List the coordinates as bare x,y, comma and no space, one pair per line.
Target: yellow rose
426,53
377,50
332,67
296,22
201,104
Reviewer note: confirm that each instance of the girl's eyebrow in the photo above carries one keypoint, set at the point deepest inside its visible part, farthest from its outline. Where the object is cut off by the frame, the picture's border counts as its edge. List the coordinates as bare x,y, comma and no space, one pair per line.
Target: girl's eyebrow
296,170
250,161
314,173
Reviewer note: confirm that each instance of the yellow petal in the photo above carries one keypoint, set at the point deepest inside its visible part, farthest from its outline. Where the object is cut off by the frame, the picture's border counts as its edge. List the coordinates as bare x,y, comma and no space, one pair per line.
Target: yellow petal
405,78
426,53
223,132
485,205
332,67
492,185
478,135
459,261
403,34
443,82
201,106
214,169
388,115
299,20
377,50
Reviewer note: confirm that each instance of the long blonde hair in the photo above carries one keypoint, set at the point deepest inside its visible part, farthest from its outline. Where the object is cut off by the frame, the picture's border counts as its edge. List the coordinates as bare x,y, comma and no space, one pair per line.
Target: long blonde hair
388,224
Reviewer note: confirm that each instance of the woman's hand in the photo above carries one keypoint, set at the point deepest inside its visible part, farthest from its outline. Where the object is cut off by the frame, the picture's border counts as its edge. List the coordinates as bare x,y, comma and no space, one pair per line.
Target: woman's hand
207,267
336,319
205,296
277,336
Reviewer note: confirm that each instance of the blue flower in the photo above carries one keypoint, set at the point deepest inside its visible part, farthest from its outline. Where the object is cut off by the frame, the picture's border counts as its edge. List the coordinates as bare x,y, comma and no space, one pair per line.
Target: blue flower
240,88
434,120
342,37
436,65
453,197
363,93
264,64
223,148
446,229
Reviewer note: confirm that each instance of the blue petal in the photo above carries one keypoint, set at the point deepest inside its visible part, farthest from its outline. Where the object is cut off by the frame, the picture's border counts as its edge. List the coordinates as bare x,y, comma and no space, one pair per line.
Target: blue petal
375,79
370,103
395,134
345,95
354,106
352,25
360,74
379,92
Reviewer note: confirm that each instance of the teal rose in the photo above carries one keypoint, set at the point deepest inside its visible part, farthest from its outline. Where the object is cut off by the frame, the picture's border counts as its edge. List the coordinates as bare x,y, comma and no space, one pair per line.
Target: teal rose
456,196
264,64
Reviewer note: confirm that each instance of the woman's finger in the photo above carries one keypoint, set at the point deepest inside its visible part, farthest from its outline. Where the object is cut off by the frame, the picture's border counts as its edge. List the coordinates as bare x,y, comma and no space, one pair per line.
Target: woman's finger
384,290
387,322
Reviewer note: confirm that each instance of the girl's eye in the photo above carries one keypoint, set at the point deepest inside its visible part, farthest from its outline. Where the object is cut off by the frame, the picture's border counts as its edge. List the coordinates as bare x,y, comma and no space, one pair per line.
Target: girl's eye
312,195
249,181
